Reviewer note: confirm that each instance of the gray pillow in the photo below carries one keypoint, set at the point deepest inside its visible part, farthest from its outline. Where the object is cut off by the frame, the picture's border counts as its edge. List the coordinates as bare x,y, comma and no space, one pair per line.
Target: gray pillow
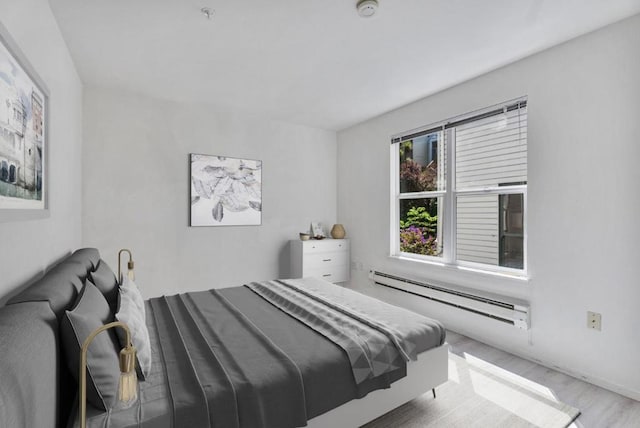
106,281
131,312
103,372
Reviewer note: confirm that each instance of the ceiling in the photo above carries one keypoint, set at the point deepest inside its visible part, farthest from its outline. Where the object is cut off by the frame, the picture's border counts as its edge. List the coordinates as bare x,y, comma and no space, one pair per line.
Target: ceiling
312,62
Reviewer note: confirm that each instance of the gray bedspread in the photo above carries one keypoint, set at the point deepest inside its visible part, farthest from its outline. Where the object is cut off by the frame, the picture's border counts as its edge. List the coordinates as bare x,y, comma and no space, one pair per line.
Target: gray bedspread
376,337
228,358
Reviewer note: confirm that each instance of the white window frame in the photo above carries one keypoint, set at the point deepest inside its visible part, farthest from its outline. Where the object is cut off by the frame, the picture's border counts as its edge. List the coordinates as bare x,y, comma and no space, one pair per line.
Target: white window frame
395,209
449,200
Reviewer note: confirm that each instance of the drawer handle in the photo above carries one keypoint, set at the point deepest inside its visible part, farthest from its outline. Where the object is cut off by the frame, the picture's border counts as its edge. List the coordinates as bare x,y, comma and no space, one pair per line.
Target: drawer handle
326,274
326,260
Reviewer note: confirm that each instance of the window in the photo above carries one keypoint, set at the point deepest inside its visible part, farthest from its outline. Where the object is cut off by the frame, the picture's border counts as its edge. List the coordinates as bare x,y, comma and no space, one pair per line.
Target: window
460,190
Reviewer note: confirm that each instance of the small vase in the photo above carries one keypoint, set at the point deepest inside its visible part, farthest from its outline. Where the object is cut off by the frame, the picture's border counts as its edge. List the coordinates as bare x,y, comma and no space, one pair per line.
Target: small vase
337,231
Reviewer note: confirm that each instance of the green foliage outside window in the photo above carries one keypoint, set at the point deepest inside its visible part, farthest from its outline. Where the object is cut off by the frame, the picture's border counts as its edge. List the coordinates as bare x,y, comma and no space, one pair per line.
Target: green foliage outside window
419,217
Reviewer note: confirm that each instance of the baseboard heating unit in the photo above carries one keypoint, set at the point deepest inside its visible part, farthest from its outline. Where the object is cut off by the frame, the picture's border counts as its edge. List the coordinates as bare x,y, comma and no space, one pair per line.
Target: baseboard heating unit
509,310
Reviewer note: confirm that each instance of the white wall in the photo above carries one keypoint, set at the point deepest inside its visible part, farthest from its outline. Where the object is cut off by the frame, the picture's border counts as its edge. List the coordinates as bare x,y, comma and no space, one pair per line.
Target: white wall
27,247
583,201
136,190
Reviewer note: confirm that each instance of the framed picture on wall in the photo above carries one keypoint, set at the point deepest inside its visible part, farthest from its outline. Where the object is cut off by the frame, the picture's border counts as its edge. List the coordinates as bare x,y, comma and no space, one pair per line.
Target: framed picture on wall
225,191
24,111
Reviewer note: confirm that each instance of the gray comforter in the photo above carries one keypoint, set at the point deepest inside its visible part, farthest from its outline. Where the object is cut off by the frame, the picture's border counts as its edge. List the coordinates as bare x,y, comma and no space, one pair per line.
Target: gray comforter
377,338
229,358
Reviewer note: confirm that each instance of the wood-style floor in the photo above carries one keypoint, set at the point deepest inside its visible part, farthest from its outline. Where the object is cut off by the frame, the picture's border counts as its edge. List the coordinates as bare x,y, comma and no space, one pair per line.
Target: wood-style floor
599,407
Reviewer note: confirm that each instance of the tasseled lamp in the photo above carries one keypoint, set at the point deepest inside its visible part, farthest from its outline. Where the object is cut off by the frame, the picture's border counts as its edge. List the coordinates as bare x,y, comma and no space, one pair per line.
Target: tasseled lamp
128,384
130,274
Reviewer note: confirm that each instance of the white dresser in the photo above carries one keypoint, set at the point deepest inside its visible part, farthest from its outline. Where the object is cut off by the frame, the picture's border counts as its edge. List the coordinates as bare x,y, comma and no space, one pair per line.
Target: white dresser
327,259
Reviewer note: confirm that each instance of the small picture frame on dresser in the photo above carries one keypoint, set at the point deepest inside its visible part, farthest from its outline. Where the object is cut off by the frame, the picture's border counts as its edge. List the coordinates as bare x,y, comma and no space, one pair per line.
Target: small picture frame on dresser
316,229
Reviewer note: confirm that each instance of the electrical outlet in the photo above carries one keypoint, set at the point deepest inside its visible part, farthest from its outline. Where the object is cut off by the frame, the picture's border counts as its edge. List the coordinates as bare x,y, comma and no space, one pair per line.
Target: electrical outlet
594,320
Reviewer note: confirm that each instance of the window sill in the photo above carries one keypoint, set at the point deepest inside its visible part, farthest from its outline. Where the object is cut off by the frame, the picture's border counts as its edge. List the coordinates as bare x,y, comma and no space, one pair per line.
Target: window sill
466,269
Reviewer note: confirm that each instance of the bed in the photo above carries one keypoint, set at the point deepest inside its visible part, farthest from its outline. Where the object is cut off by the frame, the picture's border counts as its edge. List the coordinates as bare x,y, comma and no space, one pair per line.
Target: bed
230,357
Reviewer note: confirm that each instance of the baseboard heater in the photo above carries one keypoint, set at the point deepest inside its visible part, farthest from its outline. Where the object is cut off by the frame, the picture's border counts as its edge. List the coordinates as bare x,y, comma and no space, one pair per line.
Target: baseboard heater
505,309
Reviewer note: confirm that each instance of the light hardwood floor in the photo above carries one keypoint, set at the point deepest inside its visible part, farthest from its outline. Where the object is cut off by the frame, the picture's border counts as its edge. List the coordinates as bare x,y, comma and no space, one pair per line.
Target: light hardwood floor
600,408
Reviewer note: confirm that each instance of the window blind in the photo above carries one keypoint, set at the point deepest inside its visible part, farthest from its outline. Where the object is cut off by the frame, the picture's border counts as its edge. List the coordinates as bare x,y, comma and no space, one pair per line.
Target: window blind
492,151
458,121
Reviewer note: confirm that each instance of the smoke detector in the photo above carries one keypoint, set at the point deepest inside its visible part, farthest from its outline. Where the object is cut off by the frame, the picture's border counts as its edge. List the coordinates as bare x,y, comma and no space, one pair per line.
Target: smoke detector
208,12
367,8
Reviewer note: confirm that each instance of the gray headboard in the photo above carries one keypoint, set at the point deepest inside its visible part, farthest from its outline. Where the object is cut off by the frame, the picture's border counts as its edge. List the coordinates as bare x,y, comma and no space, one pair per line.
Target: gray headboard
37,389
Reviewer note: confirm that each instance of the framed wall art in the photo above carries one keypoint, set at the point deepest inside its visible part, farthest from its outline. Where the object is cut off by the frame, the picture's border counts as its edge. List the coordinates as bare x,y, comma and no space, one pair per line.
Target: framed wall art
24,111
225,191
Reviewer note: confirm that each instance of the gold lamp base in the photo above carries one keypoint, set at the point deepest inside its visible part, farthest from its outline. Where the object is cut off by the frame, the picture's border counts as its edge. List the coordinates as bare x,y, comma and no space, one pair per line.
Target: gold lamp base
128,385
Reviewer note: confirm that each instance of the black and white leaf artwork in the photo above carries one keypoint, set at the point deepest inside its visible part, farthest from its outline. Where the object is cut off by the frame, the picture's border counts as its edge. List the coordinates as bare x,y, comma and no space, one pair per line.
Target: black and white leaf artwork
234,202
254,190
218,212
225,191
202,189
256,205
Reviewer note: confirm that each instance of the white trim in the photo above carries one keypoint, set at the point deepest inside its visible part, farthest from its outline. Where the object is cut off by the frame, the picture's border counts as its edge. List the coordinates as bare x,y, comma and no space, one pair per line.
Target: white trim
525,234
394,230
502,190
421,195
396,196
448,222
516,275
484,267
420,258
449,244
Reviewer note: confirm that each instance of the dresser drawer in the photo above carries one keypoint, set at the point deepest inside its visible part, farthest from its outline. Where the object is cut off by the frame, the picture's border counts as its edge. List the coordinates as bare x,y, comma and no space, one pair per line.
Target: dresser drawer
319,260
326,245
331,274
327,259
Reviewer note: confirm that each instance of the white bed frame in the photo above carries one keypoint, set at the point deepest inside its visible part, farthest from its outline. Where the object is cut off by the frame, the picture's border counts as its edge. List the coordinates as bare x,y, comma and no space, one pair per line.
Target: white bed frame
430,371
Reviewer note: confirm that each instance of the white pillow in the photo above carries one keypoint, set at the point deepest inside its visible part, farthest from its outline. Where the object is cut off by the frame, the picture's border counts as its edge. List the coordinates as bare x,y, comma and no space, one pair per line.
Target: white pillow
131,312
132,289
